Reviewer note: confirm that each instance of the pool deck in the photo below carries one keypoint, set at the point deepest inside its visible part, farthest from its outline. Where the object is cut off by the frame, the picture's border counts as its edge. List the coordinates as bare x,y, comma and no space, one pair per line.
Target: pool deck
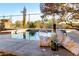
30,48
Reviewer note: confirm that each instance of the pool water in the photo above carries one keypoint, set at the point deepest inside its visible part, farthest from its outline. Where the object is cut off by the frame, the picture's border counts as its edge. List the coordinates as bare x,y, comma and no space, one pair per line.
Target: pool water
28,36
19,36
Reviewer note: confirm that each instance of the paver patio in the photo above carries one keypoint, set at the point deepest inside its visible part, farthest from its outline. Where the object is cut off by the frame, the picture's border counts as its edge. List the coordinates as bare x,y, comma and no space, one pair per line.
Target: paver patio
30,48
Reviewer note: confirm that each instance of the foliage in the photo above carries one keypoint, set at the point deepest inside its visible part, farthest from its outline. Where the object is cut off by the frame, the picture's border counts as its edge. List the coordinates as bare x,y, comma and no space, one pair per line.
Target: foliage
1,26
38,24
32,25
58,8
24,23
61,9
17,24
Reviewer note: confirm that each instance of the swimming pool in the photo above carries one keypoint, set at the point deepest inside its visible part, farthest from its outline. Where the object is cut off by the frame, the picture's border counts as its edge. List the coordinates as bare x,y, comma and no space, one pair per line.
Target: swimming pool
19,36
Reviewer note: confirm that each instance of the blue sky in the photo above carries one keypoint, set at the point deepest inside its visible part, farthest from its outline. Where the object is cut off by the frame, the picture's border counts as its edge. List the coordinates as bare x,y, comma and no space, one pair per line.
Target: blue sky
16,8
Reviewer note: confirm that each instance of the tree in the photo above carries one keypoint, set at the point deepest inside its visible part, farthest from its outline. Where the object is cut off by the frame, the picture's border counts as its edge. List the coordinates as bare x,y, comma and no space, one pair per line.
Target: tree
24,17
38,24
59,8
62,9
17,23
50,9
32,25
2,26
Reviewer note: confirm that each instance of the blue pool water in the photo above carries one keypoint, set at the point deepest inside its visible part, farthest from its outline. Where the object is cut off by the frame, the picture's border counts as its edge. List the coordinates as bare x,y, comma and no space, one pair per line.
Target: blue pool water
19,36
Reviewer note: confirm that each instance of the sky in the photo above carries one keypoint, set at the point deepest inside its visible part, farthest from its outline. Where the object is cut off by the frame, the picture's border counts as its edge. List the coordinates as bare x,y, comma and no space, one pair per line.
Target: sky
16,8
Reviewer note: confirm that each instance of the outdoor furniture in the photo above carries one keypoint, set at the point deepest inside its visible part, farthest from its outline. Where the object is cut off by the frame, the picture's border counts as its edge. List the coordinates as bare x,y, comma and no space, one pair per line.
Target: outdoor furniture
69,42
71,45
45,40
57,39
60,36
64,32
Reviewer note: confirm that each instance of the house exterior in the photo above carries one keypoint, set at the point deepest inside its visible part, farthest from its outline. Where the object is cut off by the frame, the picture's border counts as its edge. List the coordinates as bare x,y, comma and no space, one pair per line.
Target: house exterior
5,24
